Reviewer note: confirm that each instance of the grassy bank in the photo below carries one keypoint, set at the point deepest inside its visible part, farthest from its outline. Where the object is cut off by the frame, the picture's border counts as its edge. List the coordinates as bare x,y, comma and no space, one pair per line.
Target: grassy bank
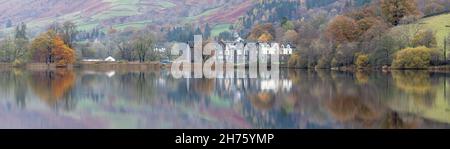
121,65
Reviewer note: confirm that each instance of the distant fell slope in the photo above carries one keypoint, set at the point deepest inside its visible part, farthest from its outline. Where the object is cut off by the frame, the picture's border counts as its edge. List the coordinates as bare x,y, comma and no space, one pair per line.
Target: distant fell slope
120,13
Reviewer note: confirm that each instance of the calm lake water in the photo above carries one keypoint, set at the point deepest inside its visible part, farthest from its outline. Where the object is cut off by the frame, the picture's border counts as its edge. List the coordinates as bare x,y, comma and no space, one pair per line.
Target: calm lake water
303,99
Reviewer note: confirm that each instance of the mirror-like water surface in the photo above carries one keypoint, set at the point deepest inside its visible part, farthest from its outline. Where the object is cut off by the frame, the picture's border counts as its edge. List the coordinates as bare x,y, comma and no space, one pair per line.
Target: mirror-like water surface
300,99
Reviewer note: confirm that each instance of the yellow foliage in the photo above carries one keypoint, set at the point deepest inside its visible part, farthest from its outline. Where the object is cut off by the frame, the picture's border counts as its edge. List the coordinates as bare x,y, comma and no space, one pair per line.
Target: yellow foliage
413,58
362,61
362,77
413,82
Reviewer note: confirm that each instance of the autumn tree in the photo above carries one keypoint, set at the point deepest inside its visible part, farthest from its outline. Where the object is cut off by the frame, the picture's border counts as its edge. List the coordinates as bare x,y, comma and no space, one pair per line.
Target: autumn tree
394,10
262,32
62,53
373,29
49,47
42,47
342,29
265,37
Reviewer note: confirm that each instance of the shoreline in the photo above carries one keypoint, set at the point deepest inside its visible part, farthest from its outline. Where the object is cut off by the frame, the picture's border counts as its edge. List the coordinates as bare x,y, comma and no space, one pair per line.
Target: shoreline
158,66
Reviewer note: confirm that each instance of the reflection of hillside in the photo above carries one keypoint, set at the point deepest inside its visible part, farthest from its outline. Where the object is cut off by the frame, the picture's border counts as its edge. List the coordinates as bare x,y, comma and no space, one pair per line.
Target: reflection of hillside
350,108
433,105
353,110
52,86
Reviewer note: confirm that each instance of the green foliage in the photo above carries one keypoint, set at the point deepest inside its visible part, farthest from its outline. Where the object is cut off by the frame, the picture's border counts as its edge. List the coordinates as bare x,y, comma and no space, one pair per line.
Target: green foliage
270,12
15,48
414,58
7,47
227,36
436,23
21,31
288,25
207,32
318,3
217,29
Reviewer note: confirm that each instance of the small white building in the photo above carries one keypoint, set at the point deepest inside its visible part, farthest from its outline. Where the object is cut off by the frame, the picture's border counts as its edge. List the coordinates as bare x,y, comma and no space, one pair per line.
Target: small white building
110,59
286,49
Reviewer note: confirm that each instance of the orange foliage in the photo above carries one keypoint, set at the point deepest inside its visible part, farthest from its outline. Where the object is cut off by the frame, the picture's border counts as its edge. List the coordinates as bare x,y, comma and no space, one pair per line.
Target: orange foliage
265,38
263,100
262,32
62,53
343,29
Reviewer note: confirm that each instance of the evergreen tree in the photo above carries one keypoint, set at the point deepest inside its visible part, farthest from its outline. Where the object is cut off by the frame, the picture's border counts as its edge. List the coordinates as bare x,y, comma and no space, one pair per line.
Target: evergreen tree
8,23
207,32
21,31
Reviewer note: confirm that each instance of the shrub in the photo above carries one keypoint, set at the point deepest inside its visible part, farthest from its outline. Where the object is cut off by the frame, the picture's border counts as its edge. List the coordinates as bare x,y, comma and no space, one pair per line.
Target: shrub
362,61
424,38
293,60
296,61
414,58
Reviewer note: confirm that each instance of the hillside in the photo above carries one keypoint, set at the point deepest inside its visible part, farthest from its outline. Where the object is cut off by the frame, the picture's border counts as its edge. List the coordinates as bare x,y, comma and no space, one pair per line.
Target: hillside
120,14
439,24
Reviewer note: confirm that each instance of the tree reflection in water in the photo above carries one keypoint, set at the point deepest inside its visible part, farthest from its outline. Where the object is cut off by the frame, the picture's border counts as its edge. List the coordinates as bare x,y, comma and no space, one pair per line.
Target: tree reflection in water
421,93
54,86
